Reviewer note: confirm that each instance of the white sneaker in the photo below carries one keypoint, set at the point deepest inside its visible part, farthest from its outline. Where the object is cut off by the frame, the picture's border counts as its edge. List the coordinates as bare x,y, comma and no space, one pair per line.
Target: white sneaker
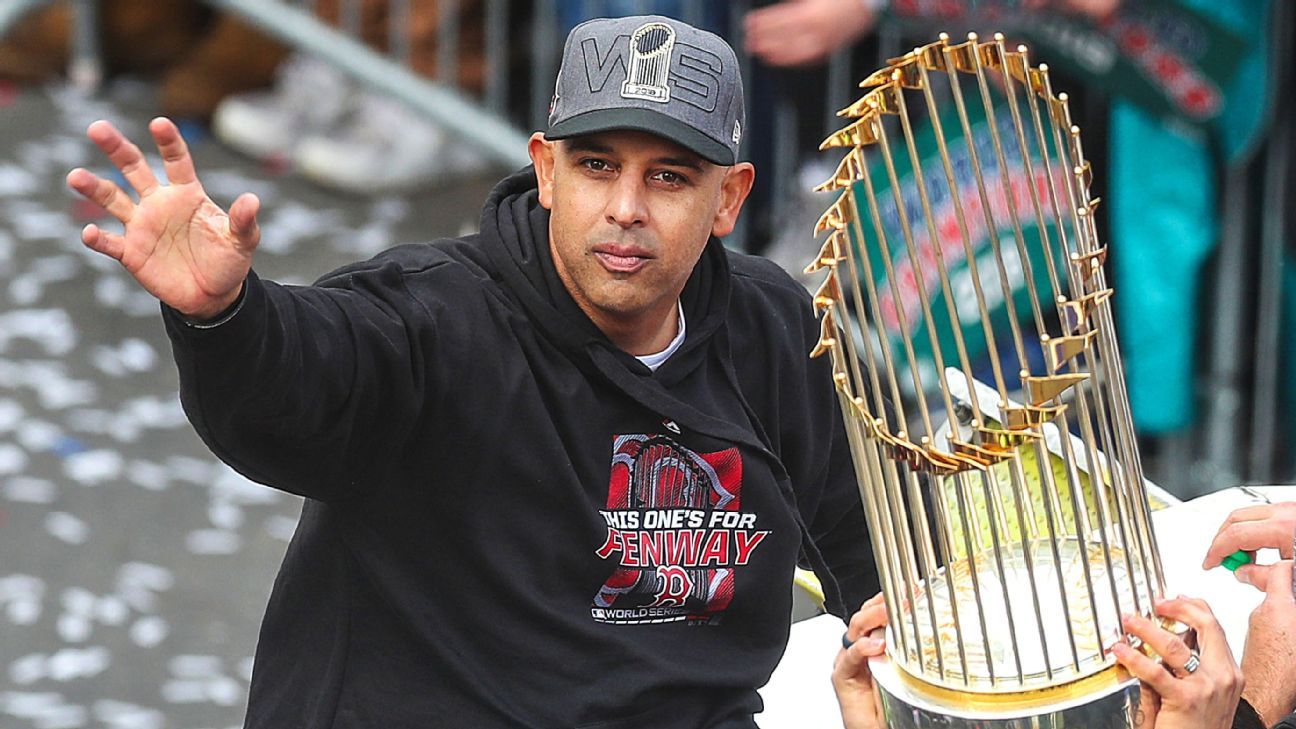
309,96
792,244
384,146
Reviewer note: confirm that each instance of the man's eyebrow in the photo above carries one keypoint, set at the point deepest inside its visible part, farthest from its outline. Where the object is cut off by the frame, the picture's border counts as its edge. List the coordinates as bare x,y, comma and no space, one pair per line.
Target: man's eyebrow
594,145
693,163
587,144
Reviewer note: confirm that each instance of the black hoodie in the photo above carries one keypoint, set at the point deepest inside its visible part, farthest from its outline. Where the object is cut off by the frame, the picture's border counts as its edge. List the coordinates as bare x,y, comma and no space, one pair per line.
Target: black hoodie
509,521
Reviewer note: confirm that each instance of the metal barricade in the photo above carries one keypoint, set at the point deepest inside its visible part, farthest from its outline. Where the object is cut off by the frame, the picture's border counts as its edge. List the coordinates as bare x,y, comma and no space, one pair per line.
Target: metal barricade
477,121
86,67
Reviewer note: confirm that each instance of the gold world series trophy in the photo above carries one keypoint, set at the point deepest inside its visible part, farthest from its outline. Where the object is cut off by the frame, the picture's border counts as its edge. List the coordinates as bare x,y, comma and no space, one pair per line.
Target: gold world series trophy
1010,523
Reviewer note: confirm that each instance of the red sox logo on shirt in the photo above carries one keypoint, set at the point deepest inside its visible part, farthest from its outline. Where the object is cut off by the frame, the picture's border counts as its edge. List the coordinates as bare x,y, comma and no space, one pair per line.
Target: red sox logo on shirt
676,527
676,586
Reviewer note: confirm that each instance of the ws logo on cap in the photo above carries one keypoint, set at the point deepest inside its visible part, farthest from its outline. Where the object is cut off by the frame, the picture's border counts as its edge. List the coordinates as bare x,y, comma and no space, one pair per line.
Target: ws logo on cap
656,67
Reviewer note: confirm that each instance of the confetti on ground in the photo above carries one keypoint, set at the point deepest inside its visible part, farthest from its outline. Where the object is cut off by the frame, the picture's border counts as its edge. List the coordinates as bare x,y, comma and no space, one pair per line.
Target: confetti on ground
136,566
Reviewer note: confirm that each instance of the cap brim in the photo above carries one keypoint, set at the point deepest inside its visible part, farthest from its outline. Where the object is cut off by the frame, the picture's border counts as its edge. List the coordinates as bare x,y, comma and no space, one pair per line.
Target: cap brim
643,120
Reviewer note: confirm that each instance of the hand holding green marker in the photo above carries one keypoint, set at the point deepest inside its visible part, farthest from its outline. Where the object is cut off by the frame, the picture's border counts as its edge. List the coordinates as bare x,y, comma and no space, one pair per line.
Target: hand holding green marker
1240,557
1237,559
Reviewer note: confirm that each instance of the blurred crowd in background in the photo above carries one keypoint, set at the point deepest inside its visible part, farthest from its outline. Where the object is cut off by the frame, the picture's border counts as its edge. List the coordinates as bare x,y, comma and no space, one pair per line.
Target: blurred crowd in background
1185,105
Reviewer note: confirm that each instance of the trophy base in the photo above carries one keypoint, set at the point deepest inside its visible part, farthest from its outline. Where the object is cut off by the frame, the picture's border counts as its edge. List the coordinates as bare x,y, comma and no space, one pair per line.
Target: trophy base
1108,700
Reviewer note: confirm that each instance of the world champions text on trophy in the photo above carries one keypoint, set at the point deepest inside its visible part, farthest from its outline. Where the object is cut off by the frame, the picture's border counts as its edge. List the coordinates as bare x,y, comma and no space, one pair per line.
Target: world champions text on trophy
1010,531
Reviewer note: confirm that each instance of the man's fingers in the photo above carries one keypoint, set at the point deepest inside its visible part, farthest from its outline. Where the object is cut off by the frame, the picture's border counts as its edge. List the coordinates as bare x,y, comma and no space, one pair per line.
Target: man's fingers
763,23
782,35
1145,669
1256,575
1278,585
105,193
870,617
852,663
1250,513
1248,536
101,241
124,155
243,223
1173,651
175,153
1197,615
1247,513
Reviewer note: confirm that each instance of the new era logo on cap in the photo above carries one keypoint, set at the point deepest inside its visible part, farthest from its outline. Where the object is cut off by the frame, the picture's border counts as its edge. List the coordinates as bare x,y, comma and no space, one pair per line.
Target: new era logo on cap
652,74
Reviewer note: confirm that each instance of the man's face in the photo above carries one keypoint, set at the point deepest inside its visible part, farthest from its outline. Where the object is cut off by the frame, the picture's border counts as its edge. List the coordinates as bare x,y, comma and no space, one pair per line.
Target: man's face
630,215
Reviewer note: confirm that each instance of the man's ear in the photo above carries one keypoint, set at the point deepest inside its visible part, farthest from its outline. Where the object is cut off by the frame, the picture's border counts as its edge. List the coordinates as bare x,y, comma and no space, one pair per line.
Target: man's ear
734,188
542,153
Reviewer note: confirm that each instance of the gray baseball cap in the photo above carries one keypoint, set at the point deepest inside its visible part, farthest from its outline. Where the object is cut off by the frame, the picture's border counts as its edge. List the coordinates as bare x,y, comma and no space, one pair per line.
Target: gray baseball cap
652,74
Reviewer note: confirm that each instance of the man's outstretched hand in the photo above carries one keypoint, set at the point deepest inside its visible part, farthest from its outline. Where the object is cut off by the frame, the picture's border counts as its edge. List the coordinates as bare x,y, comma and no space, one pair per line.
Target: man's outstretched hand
177,243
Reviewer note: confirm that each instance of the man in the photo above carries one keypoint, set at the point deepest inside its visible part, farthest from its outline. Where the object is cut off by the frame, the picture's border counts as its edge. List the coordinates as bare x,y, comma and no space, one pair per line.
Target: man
558,473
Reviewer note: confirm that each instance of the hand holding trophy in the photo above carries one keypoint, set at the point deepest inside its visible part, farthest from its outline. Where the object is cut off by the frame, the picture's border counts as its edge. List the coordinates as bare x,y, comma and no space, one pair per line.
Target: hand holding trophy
1010,521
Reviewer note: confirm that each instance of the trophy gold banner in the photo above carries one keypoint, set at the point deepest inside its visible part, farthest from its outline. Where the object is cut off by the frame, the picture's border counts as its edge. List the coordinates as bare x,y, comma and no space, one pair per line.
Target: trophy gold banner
1010,520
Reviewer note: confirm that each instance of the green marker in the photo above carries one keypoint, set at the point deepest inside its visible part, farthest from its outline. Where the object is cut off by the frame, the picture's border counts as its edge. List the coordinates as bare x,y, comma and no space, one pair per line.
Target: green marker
1237,559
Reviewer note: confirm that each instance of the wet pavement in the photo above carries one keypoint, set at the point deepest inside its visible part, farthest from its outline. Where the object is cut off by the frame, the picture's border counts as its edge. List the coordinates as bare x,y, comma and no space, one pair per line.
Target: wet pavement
134,566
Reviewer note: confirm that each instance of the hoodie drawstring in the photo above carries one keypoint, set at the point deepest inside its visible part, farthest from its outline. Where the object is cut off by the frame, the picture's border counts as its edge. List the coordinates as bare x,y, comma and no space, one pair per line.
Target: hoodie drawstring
834,602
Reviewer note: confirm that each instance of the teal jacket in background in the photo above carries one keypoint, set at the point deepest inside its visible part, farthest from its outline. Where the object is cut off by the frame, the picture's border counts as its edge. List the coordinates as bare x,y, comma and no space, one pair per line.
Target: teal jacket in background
1164,222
